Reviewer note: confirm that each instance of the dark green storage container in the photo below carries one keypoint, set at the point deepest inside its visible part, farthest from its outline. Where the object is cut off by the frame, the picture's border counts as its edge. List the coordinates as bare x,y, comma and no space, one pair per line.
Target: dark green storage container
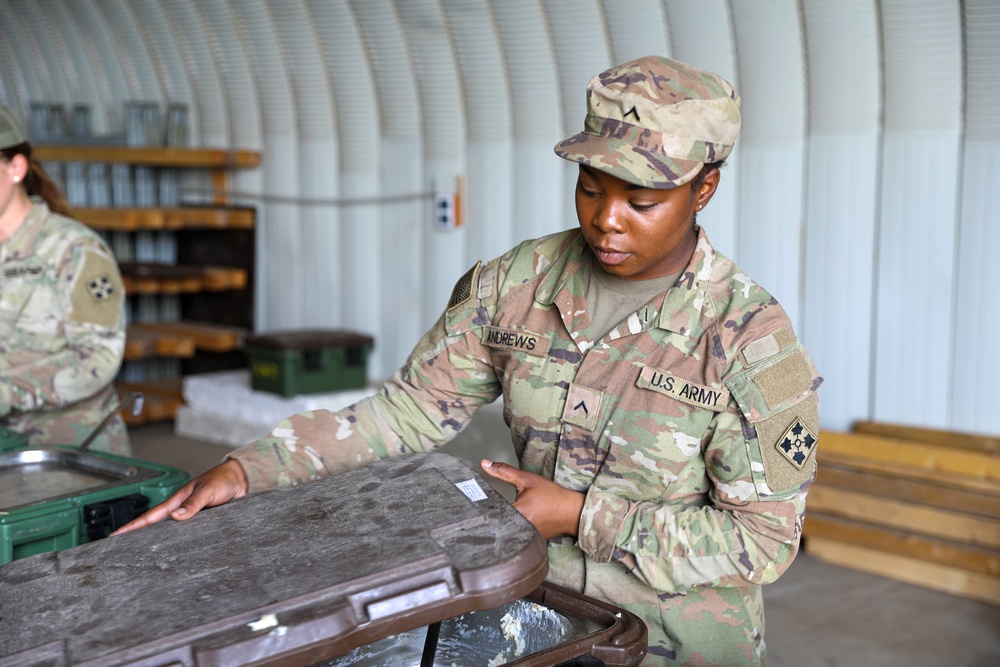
53,498
310,361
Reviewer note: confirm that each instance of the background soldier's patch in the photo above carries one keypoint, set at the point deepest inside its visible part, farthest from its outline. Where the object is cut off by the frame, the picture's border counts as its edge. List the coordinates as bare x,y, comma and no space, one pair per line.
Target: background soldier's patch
101,288
97,294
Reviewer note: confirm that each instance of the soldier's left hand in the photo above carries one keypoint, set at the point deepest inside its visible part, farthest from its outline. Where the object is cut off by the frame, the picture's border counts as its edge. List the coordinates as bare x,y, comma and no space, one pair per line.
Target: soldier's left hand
551,509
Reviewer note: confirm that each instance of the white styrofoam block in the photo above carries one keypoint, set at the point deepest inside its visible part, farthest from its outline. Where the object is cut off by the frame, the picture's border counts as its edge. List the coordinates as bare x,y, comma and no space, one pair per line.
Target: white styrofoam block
218,429
229,394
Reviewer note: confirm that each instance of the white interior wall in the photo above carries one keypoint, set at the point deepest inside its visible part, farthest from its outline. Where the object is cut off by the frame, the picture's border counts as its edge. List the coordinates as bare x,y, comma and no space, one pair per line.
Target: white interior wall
862,192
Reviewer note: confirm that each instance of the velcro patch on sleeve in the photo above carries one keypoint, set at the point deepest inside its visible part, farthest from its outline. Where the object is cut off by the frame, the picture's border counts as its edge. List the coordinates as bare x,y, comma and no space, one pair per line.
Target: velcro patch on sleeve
519,340
683,390
784,381
487,278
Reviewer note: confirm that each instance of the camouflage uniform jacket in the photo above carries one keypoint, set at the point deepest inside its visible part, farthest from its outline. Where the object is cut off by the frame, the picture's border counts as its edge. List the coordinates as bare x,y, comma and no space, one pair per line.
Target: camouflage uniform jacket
691,427
62,332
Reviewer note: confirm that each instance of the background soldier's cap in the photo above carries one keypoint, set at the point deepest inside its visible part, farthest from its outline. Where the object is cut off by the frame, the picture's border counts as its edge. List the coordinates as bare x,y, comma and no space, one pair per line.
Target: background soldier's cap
11,131
655,122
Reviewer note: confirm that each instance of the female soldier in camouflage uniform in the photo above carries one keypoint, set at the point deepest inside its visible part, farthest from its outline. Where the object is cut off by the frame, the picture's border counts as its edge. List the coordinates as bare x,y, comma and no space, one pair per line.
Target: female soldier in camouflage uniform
62,317
662,410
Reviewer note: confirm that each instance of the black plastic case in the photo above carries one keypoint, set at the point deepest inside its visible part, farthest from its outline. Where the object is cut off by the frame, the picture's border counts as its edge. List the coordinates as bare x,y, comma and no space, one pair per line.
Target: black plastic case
291,577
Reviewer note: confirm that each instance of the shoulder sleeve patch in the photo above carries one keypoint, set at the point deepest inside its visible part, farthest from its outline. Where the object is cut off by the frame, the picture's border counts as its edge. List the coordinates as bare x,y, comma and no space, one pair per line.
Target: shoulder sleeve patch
464,287
97,292
777,397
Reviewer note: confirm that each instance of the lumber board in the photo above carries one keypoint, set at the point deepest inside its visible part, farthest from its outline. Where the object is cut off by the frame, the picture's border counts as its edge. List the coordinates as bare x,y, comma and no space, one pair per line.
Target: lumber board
927,492
901,452
972,441
953,480
900,543
920,519
953,580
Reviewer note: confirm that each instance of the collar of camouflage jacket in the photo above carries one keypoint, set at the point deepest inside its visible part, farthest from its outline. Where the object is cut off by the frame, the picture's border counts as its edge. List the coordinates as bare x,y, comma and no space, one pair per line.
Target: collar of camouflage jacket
681,311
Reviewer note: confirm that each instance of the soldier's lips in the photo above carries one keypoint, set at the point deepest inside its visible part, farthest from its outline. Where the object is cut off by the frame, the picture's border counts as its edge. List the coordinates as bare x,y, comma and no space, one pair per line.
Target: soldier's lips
611,257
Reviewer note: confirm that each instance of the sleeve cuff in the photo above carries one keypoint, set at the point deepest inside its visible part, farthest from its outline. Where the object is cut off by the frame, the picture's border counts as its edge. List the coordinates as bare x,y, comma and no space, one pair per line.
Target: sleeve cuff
601,523
5,398
259,472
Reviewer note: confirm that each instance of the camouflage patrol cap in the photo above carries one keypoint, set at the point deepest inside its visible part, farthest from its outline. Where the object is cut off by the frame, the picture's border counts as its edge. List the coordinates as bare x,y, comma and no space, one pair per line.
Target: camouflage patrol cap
655,122
11,131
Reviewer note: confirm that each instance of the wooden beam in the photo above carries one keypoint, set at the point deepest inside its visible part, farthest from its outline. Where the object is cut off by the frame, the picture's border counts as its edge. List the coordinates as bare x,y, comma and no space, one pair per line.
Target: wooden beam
918,547
925,492
920,519
953,580
970,441
902,452
949,479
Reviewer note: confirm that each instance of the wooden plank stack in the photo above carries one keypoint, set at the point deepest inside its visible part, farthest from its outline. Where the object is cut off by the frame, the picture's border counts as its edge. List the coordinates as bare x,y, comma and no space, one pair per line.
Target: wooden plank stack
915,505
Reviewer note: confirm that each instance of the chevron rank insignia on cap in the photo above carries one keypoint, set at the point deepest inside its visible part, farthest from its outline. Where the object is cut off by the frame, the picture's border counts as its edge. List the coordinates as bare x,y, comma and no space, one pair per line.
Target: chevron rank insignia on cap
797,444
101,288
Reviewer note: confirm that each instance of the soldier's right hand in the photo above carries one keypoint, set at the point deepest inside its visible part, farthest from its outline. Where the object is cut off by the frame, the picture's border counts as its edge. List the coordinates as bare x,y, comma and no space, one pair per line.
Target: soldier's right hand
217,486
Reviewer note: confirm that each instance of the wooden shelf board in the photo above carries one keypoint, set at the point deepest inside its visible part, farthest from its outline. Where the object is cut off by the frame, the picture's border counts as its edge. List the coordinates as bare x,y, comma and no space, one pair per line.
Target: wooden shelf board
192,158
206,336
151,278
161,399
142,343
154,219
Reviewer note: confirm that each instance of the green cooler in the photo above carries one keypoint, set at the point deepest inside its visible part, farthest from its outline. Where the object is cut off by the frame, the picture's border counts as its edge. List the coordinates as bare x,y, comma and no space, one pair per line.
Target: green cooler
309,361
53,498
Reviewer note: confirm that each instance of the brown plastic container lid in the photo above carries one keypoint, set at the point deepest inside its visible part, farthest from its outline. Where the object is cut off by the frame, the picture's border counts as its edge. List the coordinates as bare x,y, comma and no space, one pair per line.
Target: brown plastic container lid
310,339
288,577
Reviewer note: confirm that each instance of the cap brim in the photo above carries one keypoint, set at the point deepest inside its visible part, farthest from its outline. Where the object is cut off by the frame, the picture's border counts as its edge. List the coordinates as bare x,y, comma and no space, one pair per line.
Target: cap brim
624,160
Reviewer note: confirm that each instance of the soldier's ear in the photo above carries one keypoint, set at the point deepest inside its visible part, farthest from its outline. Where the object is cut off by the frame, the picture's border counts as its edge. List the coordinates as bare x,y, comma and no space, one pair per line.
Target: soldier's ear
707,189
18,167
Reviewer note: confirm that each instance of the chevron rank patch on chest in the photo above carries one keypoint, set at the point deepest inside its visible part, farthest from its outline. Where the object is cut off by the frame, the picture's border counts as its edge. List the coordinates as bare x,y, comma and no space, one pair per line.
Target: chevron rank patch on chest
796,444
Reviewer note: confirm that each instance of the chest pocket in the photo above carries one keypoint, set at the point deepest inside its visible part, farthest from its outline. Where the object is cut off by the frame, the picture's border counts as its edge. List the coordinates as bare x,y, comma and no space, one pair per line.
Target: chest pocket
654,433
26,304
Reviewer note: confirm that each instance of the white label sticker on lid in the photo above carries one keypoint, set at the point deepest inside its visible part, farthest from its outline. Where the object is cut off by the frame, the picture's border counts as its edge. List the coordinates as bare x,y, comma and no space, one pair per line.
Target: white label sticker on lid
471,490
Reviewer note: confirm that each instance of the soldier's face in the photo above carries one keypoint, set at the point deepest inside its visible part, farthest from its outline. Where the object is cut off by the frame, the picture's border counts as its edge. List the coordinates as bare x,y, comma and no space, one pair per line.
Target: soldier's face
639,233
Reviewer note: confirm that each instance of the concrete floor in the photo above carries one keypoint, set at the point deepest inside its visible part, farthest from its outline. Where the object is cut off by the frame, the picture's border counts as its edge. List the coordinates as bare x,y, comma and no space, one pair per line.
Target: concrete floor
817,614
